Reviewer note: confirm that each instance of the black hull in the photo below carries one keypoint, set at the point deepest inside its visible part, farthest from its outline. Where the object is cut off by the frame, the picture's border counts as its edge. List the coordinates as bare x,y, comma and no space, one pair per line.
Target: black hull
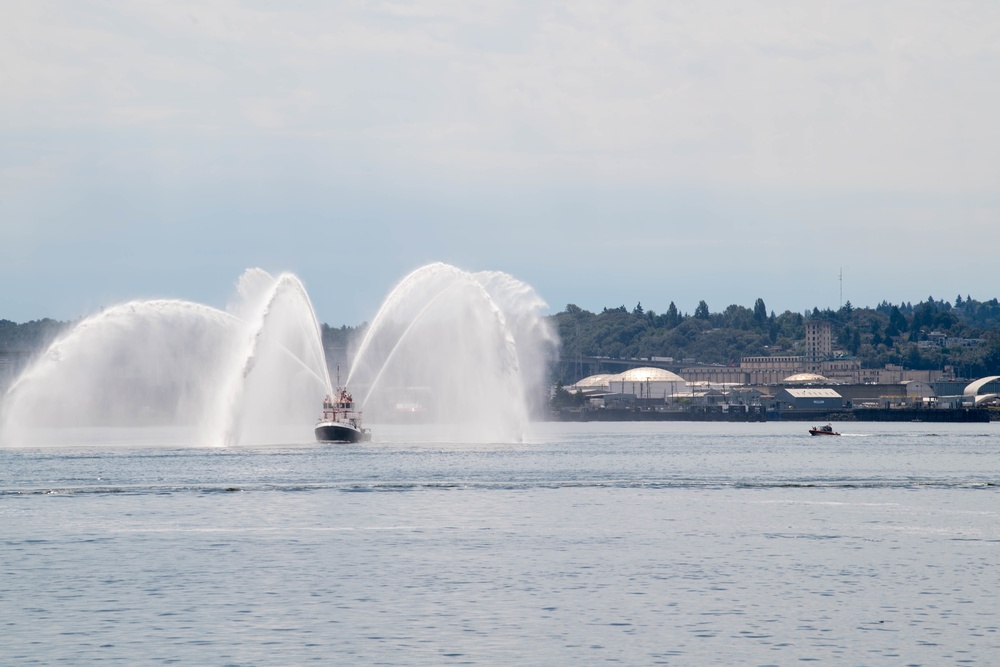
340,433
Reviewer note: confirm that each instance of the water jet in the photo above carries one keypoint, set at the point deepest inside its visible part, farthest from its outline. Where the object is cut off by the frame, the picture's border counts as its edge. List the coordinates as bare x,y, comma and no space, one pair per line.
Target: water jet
221,377
447,346
459,348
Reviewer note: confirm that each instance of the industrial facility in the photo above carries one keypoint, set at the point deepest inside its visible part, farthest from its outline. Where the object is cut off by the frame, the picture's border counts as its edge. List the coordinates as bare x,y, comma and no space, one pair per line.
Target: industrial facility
802,395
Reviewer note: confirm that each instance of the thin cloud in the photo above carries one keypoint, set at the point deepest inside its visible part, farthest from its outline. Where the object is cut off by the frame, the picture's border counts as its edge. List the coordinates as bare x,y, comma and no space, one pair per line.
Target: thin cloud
777,95
588,127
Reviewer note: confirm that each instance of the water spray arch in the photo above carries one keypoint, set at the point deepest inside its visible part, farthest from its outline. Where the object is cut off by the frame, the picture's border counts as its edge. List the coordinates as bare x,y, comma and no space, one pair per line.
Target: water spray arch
510,348
449,346
180,364
399,294
472,346
260,306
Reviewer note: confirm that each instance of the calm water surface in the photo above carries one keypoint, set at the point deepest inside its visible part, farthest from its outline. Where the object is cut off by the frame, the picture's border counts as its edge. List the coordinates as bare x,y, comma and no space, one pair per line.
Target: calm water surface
631,544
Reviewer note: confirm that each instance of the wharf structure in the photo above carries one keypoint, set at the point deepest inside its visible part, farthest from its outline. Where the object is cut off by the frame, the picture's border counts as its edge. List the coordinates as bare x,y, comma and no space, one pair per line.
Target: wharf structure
814,385
648,393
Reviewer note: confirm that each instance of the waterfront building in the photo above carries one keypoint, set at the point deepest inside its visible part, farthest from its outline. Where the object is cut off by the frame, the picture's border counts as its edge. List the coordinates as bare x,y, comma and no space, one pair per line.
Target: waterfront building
808,399
770,370
716,374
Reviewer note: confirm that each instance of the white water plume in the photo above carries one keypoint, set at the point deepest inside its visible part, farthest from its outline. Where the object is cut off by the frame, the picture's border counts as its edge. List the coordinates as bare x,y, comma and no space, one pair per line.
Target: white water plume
224,377
454,347
462,349
281,349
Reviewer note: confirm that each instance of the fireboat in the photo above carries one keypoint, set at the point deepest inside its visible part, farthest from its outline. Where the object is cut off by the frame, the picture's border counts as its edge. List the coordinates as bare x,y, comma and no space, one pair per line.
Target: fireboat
340,421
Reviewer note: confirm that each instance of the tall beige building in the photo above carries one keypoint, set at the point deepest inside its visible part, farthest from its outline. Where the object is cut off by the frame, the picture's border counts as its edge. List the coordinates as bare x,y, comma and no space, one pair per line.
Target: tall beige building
819,344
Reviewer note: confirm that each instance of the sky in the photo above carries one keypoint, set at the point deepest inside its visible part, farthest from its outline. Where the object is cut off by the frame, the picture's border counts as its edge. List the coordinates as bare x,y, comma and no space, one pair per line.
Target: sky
606,153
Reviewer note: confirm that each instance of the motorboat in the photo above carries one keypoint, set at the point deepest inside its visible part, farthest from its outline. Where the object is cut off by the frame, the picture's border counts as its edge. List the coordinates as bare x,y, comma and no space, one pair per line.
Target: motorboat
823,430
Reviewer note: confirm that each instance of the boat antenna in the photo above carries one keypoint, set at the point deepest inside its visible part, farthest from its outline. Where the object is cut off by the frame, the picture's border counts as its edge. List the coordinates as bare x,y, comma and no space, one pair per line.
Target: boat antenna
338,375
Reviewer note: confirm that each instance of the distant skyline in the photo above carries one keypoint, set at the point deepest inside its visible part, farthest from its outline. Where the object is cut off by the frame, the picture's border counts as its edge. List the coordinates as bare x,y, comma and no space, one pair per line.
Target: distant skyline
604,153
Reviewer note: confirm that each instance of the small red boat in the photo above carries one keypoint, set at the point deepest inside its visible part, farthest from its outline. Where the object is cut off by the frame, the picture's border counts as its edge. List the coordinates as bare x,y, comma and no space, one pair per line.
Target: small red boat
823,430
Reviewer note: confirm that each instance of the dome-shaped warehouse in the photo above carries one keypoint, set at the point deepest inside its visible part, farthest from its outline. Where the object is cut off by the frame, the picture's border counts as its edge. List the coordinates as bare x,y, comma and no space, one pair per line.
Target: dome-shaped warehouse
592,384
647,382
805,378
647,373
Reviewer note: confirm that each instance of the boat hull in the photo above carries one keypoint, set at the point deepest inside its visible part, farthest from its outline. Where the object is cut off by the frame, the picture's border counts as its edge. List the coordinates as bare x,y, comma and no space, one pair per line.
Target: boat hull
816,431
334,432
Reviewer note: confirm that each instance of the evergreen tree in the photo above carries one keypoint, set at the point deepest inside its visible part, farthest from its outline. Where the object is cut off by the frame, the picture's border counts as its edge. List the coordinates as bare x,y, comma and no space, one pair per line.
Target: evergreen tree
673,317
759,312
897,322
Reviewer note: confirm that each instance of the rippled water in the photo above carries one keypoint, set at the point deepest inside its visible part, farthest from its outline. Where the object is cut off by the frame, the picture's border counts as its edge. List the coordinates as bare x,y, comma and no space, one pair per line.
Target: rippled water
670,543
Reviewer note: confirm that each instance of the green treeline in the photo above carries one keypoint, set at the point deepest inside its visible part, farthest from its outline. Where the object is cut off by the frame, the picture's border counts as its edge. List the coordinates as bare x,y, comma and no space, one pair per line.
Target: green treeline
931,334
30,336
928,335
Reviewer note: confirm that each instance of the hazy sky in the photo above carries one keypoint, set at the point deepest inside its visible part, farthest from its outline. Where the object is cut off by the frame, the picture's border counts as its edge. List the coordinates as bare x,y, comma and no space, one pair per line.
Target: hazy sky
604,152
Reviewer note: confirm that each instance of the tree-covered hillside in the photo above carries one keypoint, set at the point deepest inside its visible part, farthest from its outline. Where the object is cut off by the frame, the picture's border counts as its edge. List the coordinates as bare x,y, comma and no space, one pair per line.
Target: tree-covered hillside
928,335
